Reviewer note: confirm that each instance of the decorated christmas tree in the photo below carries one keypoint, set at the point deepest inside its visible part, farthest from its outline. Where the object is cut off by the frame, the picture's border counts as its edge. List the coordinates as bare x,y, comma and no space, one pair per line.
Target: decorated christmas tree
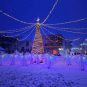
38,47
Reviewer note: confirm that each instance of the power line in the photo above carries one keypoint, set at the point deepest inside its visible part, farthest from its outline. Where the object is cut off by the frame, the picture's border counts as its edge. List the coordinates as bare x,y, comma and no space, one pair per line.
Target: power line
50,11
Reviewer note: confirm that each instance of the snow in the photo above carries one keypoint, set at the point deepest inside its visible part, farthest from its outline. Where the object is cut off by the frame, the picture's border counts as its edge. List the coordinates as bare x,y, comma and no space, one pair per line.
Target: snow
57,72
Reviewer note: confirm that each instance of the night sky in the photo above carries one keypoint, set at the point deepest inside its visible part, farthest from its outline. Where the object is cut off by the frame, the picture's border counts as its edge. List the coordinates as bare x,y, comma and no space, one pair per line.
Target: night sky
30,10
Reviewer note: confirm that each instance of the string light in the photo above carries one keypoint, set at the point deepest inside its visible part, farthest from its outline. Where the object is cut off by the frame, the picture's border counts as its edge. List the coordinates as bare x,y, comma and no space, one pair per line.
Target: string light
26,36
52,34
16,30
48,37
73,39
62,37
74,21
65,30
50,11
6,14
22,32
37,47
65,27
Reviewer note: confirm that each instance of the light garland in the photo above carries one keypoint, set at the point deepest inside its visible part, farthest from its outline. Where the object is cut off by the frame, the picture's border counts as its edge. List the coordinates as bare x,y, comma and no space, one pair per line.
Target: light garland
47,37
47,25
74,21
22,32
65,27
73,39
50,11
37,47
65,30
84,44
16,30
6,14
52,34
62,37
26,36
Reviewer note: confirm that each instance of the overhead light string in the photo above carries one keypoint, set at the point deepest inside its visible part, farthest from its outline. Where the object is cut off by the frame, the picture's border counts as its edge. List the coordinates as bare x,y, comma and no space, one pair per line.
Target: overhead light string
21,32
49,31
15,30
48,37
66,27
61,37
69,22
6,14
65,30
27,36
50,11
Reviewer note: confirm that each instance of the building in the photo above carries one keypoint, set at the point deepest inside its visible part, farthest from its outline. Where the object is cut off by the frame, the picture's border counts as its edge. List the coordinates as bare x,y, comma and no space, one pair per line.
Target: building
24,46
84,47
52,43
8,43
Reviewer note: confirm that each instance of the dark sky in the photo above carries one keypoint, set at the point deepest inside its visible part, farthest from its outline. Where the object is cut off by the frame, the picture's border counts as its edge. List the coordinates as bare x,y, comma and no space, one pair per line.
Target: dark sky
29,10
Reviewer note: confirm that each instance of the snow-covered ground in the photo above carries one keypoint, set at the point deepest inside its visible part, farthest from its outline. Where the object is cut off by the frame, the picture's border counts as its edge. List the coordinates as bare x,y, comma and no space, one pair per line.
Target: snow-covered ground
59,74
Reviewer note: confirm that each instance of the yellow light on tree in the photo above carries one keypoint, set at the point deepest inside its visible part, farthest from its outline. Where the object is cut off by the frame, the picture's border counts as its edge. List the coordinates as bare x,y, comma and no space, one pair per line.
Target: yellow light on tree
38,47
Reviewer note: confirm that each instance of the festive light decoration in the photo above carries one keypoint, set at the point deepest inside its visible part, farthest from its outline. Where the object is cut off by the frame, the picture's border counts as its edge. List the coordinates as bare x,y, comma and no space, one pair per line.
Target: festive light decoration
38,38
16,30
50,32
6,14
50,11
74,39
48,37
26,36
38,47
76,48
65,27
57,36
74,21
23,32
65,30
69,22
38,43
64,38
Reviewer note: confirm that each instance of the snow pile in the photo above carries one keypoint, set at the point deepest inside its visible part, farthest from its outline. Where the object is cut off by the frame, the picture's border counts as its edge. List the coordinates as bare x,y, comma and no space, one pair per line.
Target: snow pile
40,76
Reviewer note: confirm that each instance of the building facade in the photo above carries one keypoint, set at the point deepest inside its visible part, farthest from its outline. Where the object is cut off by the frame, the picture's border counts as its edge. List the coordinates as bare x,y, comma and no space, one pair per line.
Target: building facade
52,43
